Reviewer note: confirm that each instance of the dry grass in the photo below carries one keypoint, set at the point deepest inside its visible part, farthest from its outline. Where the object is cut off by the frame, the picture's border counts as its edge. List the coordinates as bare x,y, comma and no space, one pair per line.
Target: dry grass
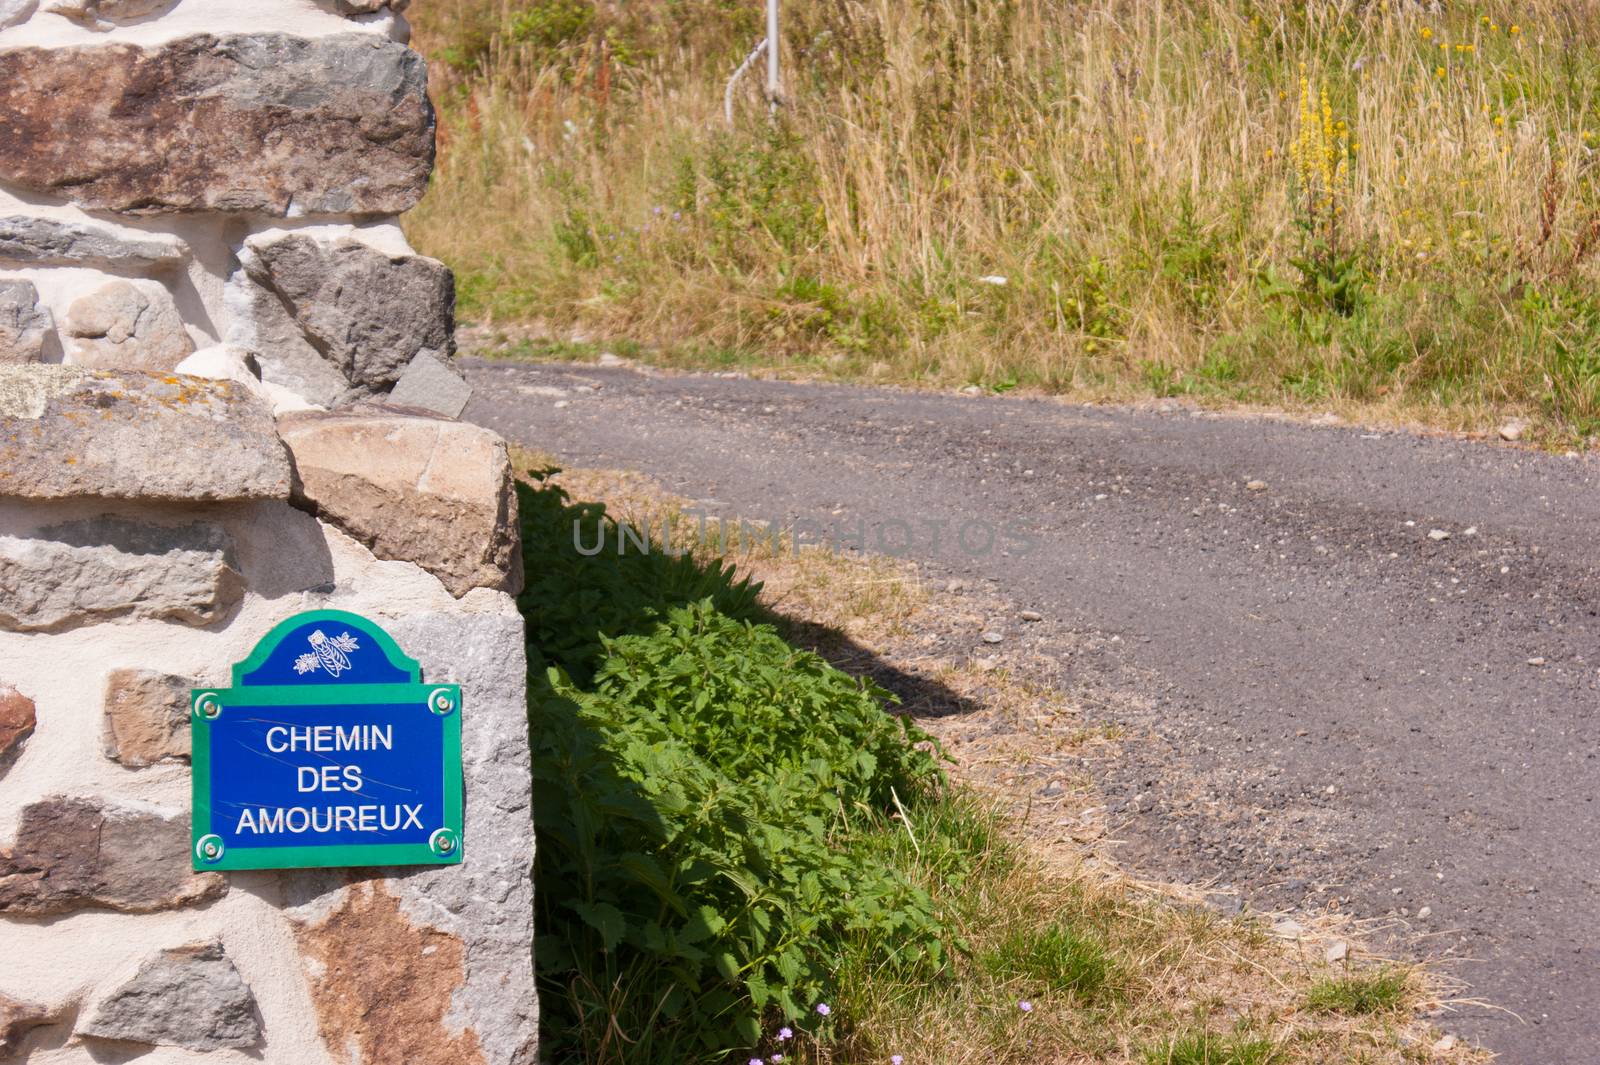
1139,172
1115,969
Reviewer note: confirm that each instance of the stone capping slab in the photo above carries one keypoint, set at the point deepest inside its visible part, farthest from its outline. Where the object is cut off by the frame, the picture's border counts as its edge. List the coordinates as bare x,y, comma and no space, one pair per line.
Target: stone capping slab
70,433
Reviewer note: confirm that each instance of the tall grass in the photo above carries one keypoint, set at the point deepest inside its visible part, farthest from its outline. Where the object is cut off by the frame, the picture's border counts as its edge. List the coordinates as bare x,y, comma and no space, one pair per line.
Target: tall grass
1354,205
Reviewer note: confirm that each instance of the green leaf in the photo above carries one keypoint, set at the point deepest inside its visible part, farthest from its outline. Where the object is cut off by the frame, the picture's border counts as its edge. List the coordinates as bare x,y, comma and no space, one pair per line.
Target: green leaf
603,918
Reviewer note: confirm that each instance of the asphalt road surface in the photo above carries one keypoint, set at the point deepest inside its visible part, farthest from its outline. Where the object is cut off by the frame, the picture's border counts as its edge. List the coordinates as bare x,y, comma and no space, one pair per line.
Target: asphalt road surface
1374,656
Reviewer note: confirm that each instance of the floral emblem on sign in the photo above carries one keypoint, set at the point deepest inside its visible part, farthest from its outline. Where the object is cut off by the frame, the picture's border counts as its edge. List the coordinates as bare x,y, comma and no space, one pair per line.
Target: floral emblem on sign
332,654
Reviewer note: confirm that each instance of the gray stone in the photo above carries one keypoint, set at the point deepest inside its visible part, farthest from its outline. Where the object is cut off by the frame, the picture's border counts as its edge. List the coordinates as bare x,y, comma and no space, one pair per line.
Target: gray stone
425,490
269,123
127,325
16,723
14,12
25,324
75,854
63,242
189,996
16,1018
68,432
369,7
431,383
97,12
92,570
147,717
365,312
260,325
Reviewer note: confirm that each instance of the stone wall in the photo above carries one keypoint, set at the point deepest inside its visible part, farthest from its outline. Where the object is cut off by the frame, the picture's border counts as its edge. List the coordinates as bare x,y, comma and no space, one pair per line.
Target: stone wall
228,395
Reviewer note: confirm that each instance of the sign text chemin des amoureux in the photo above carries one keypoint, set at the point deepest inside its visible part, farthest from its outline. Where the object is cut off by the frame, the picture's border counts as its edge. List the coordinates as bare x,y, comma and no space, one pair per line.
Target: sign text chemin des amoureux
328,750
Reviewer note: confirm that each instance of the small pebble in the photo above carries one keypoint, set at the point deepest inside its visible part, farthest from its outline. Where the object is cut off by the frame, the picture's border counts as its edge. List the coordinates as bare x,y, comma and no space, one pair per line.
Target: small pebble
1536,661
1338,952
1425,912
1445,1045
1256,486
1031,615
993,637
1438,534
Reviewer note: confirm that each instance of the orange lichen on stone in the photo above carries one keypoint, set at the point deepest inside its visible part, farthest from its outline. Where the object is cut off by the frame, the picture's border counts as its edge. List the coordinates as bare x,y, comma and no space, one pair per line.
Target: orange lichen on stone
382,986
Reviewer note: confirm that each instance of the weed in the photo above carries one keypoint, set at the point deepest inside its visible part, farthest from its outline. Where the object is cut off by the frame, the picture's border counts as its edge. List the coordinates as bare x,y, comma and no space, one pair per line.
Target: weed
1205,1047
1384,991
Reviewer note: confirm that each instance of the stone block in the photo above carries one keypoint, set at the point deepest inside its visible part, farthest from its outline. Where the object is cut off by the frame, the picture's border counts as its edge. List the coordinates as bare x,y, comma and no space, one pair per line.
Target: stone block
81,572
68,432
147,717
14,12
425,490
471,989
369,7
339,320
65,242
433,384
100,13
127,325
269,123
25,323
16,724
189,996
75,854
17,1016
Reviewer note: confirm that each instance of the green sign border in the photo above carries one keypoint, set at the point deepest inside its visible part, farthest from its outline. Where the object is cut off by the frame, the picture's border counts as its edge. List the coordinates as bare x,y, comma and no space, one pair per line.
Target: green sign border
267,696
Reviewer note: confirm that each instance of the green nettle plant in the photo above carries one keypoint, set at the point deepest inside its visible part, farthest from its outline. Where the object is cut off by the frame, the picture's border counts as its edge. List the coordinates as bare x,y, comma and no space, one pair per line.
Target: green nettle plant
706,797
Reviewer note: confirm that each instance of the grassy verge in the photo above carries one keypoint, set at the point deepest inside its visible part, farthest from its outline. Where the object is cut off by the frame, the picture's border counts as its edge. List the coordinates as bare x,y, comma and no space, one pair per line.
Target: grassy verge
733,833
1376,208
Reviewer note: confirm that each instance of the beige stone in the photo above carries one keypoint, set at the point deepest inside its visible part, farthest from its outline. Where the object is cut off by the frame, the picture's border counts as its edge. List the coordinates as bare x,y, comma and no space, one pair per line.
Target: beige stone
127,325
67,432
16,723
17,1016
147,717
419,489
74,854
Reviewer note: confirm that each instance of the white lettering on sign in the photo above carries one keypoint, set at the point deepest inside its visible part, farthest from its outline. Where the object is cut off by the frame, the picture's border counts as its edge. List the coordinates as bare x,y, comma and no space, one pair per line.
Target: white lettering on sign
261,820
324,738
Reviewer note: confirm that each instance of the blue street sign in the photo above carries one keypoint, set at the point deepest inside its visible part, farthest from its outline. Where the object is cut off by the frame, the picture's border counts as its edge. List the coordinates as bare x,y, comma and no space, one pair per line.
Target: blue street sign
327,751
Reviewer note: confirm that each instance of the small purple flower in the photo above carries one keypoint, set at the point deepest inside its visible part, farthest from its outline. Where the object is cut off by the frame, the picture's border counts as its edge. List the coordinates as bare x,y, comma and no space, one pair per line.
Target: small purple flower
757,1061
1025,1006
785,1033
677,216
775,1058
895,1059
822,1008
658,210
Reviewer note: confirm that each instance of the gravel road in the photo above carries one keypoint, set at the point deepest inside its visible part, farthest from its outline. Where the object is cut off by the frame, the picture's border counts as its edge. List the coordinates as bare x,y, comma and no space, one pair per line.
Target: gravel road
1368,661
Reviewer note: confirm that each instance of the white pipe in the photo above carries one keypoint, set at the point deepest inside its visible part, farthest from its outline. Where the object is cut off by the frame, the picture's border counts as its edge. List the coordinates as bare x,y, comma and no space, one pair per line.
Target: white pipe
727,94
774,87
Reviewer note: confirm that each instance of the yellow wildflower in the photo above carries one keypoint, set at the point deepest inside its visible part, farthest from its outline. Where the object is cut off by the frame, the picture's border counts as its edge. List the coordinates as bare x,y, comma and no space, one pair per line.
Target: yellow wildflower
1427,33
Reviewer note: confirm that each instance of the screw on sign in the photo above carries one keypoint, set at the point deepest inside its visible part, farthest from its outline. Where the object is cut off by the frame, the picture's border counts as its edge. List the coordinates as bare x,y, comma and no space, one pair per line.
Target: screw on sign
328,750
